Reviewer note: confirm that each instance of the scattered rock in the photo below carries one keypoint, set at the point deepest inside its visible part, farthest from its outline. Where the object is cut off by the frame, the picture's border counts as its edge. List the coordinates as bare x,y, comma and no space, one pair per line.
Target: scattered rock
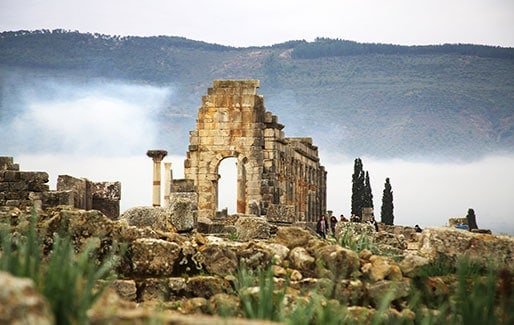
20,303
155,218
341,262
378,290
248,228
219,259
391,239
196,305
154,257
349,291
207,286
126,289
183,209
301,260
481,248
204,225
224,304
411,263
292,236
378,268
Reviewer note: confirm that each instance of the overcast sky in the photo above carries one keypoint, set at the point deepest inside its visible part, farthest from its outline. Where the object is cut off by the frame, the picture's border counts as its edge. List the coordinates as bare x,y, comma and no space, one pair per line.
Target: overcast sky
266,22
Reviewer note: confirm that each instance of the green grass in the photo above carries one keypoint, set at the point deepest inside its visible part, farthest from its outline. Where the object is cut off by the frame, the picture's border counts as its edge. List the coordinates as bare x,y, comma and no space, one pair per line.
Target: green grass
68,280
260,298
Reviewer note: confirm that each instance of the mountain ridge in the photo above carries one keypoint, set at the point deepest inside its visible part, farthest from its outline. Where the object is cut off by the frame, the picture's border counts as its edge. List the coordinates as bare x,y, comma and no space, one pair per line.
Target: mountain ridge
359,99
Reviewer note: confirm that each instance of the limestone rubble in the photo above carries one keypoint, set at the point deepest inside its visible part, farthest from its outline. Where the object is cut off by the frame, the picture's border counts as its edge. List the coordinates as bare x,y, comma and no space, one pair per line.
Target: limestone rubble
193,272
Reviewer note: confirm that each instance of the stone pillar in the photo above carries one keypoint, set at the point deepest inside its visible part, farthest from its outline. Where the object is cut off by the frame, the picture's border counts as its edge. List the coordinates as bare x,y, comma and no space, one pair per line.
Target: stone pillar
157,156
167,183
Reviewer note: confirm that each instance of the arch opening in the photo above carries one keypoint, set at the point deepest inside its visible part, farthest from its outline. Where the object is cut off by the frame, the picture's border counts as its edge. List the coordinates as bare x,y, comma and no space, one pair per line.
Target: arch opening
228,189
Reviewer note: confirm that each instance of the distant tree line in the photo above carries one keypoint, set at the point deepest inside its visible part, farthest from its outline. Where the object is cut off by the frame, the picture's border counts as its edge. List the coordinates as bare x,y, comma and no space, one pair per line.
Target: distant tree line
326,47
124,57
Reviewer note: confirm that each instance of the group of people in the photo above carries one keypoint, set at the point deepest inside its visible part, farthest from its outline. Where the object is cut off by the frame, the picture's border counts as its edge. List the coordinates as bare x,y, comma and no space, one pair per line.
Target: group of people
325,227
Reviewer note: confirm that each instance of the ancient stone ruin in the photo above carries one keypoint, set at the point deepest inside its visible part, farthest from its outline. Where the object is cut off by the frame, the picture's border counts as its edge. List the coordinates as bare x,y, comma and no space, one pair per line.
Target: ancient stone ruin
277,177
25,189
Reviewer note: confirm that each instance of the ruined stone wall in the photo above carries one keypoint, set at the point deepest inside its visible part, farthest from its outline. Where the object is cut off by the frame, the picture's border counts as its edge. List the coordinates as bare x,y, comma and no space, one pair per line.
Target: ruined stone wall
88,195
27,189
277,176
20,188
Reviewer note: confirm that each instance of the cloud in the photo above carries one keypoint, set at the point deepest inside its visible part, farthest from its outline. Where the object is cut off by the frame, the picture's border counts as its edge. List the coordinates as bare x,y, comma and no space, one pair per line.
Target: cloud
98,118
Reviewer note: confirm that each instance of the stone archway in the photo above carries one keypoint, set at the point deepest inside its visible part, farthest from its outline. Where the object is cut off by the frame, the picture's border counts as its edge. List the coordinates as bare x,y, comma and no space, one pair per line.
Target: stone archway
229,124
278,177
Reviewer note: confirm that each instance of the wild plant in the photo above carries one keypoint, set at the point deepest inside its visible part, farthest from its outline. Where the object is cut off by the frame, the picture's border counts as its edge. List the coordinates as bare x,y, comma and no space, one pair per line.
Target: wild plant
68,280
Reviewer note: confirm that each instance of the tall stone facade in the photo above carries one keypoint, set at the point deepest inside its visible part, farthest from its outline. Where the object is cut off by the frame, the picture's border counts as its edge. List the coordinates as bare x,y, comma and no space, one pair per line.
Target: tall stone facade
278,177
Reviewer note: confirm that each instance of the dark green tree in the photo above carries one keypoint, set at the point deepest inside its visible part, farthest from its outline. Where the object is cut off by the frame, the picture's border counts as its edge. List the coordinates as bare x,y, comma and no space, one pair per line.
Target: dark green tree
357,187
472,219
386,213
368,196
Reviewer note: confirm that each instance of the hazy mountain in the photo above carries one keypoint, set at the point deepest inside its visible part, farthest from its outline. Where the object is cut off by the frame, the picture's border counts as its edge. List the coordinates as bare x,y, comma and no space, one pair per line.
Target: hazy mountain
451,101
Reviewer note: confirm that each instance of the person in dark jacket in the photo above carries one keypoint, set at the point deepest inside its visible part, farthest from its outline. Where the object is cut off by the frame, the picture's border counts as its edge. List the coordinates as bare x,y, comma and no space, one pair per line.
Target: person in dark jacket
322,226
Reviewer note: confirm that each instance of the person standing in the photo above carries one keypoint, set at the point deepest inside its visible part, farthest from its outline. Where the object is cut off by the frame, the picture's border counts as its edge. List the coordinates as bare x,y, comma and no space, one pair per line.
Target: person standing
322,226
333,222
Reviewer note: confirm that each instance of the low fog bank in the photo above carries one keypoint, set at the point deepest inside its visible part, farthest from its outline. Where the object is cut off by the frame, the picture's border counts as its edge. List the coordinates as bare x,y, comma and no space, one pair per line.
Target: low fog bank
428,193
103,118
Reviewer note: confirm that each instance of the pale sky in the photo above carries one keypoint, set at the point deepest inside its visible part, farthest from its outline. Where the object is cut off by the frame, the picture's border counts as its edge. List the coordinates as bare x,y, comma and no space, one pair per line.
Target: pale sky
266,22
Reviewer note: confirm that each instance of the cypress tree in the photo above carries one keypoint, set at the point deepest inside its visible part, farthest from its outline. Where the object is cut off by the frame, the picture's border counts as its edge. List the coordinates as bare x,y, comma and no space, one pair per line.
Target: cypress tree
357,187
386,214
368,196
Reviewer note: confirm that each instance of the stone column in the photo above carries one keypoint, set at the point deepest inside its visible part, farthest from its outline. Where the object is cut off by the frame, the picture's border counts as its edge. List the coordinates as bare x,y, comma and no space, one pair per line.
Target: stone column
167,183
157,156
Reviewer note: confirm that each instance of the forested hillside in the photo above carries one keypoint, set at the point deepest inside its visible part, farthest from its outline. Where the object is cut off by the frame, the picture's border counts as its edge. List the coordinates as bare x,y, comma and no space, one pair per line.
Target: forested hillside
356,99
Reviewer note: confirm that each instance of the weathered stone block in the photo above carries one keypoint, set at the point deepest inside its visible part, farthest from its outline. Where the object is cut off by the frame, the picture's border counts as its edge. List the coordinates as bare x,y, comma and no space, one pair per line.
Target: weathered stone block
281,213
252,227
293,236
301,260
183,210
207,286
155,218
80,186
126,289
154,257
6,163
183,185
55,198
219,259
